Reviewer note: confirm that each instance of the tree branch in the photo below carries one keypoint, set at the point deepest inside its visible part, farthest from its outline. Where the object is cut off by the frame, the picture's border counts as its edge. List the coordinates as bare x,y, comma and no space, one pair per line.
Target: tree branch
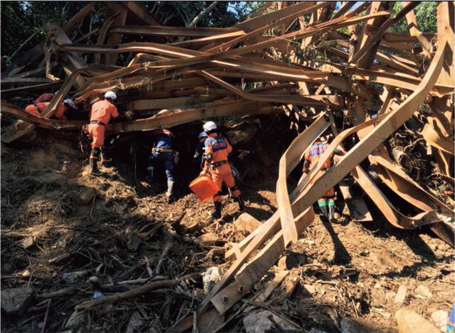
202,14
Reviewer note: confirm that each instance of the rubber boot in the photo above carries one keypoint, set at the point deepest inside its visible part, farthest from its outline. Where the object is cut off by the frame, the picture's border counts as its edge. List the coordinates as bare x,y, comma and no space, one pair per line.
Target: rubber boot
94,167
149,178
331,210
216,214
170,188
240,201
105,158
323,207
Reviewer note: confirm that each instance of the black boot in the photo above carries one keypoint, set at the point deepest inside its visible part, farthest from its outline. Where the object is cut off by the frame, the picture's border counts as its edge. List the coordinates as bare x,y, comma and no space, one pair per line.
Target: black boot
105,158
325,212
216,214
149,178
331,213
94,167
240,201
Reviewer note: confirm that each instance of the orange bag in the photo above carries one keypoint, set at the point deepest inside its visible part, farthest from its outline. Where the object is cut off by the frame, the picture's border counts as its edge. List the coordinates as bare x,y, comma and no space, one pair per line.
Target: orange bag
203,187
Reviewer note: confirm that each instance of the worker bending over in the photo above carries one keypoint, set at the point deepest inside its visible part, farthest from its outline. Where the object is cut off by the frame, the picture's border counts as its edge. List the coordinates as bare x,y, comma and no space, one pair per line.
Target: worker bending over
163,153
36,109
216,163
327,202
100,115
46,97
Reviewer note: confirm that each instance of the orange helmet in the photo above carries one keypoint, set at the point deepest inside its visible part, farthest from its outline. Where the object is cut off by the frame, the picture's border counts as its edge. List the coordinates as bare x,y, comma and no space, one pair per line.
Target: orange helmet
163,131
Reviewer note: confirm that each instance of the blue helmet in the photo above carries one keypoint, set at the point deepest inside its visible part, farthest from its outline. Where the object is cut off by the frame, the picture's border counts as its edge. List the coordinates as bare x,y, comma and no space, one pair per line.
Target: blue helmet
202,135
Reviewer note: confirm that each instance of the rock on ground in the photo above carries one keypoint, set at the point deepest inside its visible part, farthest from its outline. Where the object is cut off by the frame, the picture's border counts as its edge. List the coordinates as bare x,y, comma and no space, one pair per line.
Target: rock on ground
411,322
16,300
439,319
257,322
246,224
349,325
86,196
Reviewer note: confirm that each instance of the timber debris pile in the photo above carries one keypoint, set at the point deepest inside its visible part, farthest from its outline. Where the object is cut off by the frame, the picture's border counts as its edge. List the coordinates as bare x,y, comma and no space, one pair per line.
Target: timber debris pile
104,254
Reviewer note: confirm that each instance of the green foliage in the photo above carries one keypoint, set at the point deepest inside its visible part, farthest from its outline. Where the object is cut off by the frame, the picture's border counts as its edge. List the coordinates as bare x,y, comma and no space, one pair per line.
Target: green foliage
22,19
425,14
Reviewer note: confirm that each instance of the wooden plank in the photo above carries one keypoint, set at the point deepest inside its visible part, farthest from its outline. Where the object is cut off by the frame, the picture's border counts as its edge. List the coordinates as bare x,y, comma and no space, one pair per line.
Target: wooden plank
296,99
120,19
141,12
171,31
288,162
14,111
27,90
279,277
168,103
415,32
171,119
392,122
258,267
363,56
23,81
260,21
102,35
71,62
38,51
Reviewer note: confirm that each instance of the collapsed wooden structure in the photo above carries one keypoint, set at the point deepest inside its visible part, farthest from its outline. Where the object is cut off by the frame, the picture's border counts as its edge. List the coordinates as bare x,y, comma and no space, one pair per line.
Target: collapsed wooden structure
363,86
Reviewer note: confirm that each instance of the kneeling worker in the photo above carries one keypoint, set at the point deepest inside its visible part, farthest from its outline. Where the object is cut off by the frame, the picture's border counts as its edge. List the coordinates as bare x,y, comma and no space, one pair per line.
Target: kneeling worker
100,115
216,163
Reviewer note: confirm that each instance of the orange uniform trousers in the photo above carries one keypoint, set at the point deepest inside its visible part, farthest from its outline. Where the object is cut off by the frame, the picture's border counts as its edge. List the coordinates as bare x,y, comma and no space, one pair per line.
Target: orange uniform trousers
33,110
220,174
96,132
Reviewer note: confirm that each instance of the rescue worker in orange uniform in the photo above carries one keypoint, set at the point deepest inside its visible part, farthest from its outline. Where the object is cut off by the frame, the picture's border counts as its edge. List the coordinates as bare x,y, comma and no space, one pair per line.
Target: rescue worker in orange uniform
327,203
100,115
46,97
217,149
37,108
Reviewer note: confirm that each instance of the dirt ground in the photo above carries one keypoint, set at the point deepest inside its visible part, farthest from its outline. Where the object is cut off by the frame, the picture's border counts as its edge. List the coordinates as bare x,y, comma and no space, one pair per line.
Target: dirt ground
127,230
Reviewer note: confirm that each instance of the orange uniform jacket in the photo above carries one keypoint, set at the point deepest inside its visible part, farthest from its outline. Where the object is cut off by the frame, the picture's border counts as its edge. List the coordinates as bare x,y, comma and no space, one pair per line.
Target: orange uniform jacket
102,111
46,97
218,147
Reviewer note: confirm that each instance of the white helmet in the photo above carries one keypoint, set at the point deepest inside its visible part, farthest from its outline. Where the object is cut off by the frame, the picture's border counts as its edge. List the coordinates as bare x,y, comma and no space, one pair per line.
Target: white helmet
110,95
70,102
209,126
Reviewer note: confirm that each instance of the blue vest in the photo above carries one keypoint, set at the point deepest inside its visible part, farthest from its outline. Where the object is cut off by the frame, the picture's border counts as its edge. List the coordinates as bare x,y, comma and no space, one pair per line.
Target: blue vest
163,141
217,143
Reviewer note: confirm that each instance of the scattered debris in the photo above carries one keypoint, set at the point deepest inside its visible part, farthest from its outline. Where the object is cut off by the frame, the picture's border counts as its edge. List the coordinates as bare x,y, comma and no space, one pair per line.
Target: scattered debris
316,68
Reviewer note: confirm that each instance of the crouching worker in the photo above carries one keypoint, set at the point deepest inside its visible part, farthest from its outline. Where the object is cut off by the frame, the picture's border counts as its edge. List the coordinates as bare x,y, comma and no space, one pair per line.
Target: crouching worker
162,153
216,163
327,203
100,115
37,108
